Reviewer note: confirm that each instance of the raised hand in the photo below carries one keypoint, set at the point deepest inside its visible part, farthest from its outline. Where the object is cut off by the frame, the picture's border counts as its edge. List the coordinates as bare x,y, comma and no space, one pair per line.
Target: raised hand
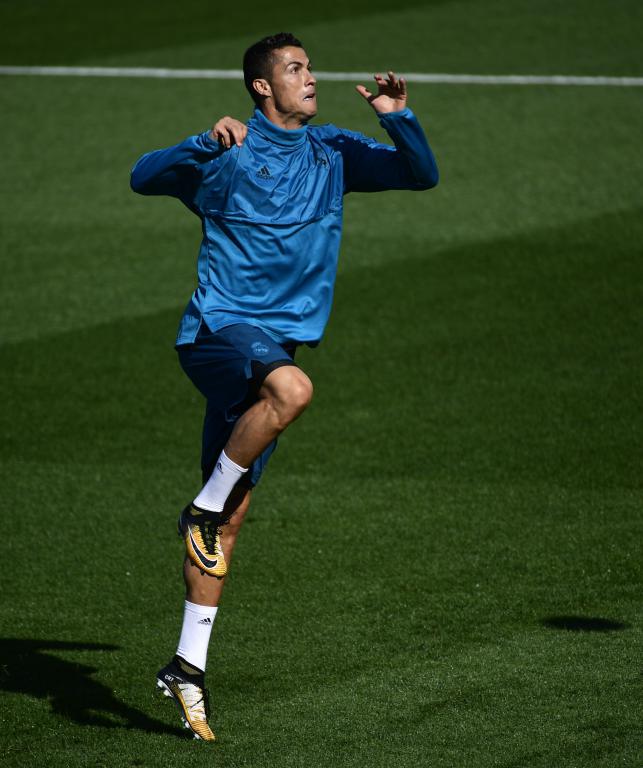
228,131
390,96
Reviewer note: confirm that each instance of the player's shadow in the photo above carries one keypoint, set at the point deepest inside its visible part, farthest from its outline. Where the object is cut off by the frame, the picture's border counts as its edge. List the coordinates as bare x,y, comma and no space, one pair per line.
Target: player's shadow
28,667
583,624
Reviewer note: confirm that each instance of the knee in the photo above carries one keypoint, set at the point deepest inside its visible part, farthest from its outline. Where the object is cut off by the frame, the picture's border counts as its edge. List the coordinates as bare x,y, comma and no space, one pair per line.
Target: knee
229,532
300,393
290,392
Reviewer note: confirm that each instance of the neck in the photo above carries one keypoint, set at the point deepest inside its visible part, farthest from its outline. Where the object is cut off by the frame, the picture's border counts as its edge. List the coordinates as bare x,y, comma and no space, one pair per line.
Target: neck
289,121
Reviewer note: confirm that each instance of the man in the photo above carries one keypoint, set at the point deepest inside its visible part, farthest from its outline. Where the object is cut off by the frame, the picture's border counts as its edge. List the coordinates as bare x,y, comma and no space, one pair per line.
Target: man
269,196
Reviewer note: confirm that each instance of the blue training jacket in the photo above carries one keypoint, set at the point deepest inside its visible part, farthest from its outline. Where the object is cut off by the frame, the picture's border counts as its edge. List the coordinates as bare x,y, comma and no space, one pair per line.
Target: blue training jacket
271,214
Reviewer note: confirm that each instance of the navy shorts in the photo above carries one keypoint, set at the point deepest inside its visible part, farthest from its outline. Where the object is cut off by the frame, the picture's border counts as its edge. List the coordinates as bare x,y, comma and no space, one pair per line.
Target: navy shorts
228,368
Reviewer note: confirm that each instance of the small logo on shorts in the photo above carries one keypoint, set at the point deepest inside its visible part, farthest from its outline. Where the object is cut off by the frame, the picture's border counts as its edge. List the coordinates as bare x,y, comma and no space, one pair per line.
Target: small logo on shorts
259,349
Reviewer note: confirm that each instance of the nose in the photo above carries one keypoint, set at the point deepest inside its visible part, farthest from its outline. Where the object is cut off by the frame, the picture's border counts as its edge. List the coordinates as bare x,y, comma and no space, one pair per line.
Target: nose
311,79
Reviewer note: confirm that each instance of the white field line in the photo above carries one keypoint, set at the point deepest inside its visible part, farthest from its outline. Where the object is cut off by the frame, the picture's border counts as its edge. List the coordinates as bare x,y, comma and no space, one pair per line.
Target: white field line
412,77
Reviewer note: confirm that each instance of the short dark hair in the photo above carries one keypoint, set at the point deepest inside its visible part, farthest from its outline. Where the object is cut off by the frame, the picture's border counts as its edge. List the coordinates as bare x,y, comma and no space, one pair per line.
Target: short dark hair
258,59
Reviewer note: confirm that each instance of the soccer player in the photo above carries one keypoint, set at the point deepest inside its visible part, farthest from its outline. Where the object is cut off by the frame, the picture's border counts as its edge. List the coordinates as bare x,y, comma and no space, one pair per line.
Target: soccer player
269,196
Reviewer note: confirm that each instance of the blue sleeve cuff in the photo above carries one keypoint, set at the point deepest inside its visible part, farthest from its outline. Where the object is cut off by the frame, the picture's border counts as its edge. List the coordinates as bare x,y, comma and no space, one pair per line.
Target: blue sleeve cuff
207,140
406,112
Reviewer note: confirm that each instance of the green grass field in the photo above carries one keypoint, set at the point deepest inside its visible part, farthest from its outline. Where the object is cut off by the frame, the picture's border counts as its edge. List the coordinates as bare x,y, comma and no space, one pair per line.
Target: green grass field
442,565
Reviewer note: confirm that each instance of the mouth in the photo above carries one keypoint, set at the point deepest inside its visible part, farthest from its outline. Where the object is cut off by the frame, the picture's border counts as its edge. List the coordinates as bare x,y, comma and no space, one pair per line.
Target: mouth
310,96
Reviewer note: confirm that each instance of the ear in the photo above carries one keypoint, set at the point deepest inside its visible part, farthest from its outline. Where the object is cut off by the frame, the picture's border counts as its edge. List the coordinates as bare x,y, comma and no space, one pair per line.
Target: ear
262,87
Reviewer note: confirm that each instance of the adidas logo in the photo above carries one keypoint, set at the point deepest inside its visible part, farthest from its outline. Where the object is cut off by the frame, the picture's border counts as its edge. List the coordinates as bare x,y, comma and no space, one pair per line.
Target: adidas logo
264,173
207,621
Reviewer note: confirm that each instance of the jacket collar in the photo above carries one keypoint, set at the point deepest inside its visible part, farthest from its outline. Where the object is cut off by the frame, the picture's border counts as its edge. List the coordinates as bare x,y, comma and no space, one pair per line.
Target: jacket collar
276,134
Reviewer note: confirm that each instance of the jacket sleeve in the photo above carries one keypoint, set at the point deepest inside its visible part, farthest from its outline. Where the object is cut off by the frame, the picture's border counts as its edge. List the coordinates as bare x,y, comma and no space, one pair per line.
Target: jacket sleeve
373,167
176,171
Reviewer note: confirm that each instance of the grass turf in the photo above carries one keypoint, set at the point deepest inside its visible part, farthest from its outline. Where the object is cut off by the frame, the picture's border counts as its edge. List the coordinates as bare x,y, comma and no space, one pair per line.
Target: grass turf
426,563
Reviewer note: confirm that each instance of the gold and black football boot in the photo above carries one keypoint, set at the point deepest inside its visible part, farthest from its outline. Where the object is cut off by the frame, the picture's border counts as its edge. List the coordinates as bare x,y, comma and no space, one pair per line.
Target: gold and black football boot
201,532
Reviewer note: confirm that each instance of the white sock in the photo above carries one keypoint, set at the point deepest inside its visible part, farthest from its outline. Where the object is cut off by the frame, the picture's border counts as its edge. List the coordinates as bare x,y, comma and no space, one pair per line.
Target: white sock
224,477
195,634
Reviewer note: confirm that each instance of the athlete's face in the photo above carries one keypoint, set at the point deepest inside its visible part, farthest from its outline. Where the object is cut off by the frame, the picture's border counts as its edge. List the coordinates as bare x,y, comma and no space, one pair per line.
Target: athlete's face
292,84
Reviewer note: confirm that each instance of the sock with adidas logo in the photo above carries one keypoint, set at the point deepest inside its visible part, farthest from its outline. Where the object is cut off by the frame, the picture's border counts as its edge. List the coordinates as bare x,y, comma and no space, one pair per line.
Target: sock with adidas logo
195,634
224,477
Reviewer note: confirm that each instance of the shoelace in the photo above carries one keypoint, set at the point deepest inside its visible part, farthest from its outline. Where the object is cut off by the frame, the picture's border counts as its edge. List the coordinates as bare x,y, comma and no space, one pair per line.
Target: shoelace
210,533
196,700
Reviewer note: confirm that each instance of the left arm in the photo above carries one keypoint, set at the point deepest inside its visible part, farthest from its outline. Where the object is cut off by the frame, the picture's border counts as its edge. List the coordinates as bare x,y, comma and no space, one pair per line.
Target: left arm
371,166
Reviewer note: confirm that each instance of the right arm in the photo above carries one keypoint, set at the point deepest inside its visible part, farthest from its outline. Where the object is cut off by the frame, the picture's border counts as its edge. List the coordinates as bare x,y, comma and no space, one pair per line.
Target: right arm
174,171
177,170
